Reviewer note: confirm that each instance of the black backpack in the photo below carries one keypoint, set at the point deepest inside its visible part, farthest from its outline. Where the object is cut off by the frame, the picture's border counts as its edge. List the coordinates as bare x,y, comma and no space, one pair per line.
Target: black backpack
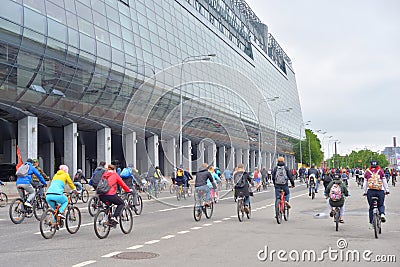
239,180
96,176
102,186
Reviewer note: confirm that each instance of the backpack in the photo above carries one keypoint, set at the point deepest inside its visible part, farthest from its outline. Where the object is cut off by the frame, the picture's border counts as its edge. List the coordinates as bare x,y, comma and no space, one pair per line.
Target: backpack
22,170
238,179
126,173
281,176
97,174
335,194
375,181
344,176
327,178
102,186
76,177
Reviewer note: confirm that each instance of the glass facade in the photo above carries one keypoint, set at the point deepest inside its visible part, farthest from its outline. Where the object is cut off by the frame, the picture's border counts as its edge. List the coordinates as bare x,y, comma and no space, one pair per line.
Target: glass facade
91,60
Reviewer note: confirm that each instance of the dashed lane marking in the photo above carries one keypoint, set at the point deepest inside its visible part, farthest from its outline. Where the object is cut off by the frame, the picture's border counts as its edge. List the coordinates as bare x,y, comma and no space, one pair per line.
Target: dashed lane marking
135,247
183,232
109,255
217,221
152,242
196,228
207,224
84,263
167,236
225,219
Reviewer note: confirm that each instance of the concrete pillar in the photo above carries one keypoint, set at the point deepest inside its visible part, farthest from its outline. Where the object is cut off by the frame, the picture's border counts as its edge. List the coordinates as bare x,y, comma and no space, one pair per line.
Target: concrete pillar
104,145
221,158
82,164
252,159
48,160
28,137
231,164
10,150
238,156
130,148
269,160
264,160
170,156
152,150
71,147
200,154
187,155
211,150
246,160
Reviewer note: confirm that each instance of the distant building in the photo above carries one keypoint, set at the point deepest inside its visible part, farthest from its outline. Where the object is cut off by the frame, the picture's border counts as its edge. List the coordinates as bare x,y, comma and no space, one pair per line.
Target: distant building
392,154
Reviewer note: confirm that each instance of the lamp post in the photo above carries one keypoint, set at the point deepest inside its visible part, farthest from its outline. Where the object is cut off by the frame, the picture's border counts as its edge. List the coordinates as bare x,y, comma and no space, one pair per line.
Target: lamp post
328,150
323,147
276,113
185,60
301,153
259,127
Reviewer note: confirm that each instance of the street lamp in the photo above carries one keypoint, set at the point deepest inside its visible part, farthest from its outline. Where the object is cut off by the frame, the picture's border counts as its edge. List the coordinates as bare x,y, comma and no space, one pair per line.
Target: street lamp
259,126
185,60
301,153
328,150
276,113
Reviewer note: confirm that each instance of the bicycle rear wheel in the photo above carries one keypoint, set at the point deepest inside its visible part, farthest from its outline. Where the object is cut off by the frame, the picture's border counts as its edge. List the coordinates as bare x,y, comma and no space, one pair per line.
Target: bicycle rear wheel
336,217
178,193
278,213
93,205
74,197
73,220
375,224
3,199
172,189
209,210
39,207
197,211
139,207
126,220
286,212
85,195
101,225
48,224
312,194
240,209
17,211
249,213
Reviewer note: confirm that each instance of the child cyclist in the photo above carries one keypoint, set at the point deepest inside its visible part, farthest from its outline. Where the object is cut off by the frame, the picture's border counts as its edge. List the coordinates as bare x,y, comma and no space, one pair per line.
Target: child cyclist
213,191
336,191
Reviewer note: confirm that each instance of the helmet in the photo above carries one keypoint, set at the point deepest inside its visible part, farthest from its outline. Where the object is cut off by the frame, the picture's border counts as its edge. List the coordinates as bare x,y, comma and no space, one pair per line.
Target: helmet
374,163
281,159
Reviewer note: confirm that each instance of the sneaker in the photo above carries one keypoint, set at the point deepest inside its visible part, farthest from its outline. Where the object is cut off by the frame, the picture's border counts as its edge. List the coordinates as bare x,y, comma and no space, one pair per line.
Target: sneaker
371,226
287,204
383,218
27,204
341,220
316,191
114,220
331,213
309,194
61,216
246,209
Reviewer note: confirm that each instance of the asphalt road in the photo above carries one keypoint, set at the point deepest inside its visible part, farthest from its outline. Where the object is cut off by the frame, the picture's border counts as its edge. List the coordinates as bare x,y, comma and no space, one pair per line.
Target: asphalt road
167,231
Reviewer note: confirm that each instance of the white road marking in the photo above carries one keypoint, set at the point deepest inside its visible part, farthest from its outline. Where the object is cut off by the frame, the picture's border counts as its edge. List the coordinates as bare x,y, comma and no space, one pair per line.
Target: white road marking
152,242
135,247
109,255
168,209
225,219
233,216
64,228
84,263
183,232
196,228
167,236
207,224
217,221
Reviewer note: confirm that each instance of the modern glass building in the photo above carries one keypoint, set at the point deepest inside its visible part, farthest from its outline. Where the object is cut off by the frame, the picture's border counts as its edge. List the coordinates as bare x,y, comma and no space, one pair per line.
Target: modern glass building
89,80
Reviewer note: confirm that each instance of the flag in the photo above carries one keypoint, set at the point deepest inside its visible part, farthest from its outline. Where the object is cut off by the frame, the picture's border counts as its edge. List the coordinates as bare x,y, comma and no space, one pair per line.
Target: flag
20,162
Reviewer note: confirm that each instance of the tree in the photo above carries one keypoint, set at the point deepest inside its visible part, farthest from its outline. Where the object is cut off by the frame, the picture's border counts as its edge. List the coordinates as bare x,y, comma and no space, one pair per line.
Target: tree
310,144
357,159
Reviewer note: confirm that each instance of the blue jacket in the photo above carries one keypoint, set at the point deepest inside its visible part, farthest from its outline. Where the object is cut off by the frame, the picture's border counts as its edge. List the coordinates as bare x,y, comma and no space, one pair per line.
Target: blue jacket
28,179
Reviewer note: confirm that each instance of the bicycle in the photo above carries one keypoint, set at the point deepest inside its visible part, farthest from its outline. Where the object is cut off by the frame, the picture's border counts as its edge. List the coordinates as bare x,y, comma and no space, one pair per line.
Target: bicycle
94,205
336,217
311,188
50,221
200,206
152,192
394,181
228,183
3,199
180,192
280,208
172,189
240,208
103,223
128,198
19,211
84,196
376,218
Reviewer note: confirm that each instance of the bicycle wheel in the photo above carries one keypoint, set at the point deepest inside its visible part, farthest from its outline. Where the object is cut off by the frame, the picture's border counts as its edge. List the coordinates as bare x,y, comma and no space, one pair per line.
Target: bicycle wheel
3,199
190,190
101,226
178,193
375,224
286,213
17,211
312,194
73,220
139,207
48,224
93,205
126,220
197,211
249,213
240,209
74,197
39,207
336,217
209,210
278,213
85,195
172,189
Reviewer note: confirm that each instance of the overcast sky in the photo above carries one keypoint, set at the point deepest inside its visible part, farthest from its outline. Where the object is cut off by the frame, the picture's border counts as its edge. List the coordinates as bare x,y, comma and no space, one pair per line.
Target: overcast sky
346,56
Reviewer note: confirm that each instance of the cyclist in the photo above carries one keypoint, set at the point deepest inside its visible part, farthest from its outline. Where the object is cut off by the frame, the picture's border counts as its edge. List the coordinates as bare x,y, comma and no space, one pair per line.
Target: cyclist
312,180
201,182
228,176
387,174
242,180
280,177
314,171
213,191
180,178
264,174
77,180
345,177
188,177
128,177
375,185
24,182
327,178
97,173
55,192
111,196
257,179
335,193
35,180
394,176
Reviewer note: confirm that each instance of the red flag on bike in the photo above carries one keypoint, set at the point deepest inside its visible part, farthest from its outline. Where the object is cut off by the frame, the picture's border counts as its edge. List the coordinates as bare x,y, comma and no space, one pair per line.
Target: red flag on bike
20,162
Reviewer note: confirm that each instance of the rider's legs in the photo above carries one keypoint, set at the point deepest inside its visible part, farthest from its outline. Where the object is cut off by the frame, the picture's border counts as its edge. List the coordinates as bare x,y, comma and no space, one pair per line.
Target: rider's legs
381,200
78,186
114,199
247,200
51,199
29,189
205,189
316,186
39,185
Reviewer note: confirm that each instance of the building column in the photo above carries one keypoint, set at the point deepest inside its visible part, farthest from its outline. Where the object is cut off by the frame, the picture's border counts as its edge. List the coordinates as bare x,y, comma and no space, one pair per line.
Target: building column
252,160
170,156
71,147
269,161
48,161
238,156
187,155
152,150
211,154
246,159
83,159
130,149
104,145
28,137
10,150
264,160
231,159
221,158
200,154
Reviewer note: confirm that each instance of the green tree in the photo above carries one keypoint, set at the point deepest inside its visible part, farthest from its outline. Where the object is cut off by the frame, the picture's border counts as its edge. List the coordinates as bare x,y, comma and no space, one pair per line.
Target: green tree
357,159
312,144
